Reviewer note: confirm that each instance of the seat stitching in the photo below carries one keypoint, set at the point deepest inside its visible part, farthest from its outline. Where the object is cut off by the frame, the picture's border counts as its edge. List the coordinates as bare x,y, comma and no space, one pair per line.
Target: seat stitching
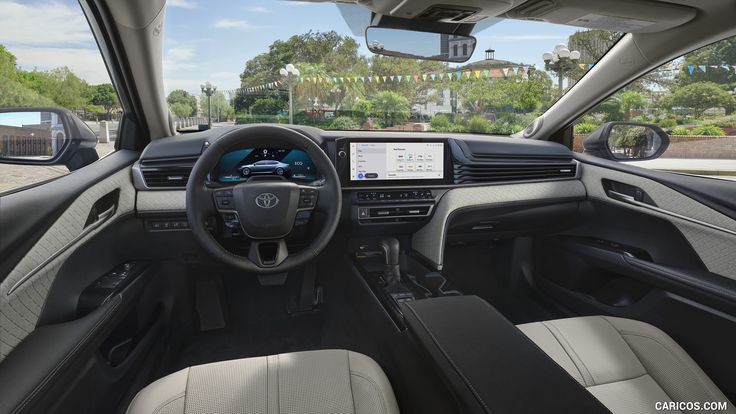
450,360
566,353
186,388
563,338
268,389
621,334
350,382
376,388
169,401
278,383
622,380
695,373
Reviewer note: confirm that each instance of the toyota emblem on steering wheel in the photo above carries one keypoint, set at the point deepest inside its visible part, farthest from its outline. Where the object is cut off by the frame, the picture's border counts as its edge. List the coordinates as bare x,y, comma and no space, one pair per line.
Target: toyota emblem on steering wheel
267,200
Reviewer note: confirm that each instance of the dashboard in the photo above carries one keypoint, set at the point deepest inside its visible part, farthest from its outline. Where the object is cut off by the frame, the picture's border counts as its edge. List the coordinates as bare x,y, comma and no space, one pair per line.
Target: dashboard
392,182
239,165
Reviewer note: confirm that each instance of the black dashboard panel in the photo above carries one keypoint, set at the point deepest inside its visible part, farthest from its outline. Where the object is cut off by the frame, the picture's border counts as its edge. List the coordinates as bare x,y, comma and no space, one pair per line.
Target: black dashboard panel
239,165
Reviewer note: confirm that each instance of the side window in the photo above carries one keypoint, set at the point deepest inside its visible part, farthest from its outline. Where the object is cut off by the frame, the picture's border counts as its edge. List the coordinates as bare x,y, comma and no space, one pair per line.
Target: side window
693,99
55,92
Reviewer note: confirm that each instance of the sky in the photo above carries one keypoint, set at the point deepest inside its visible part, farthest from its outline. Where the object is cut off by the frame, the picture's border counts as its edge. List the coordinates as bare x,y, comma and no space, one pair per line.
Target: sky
210,40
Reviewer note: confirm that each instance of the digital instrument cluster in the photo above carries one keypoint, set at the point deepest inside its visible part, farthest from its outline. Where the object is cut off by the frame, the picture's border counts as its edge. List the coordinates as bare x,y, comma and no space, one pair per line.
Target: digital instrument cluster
240,165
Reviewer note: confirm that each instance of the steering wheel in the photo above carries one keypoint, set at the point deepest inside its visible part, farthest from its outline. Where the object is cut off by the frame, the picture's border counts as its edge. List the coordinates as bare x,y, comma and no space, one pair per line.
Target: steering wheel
263,207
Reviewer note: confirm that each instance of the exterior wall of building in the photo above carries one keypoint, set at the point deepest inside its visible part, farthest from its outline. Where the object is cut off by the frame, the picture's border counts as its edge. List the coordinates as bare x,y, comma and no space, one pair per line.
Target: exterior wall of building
27,141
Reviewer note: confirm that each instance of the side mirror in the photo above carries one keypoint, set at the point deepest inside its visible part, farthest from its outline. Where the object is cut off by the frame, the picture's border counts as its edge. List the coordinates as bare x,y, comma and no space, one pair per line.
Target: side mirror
627,141
45,136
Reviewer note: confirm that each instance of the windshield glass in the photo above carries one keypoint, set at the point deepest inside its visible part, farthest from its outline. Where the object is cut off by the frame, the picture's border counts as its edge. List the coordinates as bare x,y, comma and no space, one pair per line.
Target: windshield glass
308,63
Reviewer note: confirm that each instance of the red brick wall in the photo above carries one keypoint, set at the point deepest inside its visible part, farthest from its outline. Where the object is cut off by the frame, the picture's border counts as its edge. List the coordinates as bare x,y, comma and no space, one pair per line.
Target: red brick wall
688,146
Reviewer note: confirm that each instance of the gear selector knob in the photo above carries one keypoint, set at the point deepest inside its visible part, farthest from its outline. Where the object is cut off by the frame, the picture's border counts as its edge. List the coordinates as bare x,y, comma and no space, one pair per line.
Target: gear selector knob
390,247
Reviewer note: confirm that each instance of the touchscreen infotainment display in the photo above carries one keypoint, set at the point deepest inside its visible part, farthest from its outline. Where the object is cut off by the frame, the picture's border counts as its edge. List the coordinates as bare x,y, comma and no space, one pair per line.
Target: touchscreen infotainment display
396,161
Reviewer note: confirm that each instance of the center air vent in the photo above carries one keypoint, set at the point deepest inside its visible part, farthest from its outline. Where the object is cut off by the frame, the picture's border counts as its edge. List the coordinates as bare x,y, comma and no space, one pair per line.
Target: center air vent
167,174
482,173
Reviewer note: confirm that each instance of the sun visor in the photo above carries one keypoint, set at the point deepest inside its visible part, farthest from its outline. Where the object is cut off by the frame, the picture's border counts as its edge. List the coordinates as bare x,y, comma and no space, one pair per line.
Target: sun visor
627,16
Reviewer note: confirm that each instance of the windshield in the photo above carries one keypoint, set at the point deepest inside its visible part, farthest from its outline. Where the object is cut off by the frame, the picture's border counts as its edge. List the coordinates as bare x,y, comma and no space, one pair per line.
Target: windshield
309,64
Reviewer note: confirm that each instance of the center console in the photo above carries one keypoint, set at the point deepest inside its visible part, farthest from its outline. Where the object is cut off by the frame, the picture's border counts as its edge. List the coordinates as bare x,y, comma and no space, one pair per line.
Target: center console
393,181
489,364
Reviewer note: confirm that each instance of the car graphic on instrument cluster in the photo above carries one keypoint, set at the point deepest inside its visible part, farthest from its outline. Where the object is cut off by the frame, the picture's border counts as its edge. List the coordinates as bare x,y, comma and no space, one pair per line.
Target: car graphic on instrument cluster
265,167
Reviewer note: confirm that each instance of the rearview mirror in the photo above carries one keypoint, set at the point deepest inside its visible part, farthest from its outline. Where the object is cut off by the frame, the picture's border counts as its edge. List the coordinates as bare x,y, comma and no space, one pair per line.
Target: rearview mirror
419,45
627,141
48,136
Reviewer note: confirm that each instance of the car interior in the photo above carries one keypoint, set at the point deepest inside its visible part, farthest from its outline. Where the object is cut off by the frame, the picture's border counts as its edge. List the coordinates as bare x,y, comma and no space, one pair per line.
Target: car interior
273,268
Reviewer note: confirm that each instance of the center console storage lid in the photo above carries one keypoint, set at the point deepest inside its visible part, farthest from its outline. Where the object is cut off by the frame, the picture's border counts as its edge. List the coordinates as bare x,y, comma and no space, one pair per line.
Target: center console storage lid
490,365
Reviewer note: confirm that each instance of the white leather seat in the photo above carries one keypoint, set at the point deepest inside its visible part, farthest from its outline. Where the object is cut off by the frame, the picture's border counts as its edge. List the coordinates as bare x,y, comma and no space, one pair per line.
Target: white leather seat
313,382
627,365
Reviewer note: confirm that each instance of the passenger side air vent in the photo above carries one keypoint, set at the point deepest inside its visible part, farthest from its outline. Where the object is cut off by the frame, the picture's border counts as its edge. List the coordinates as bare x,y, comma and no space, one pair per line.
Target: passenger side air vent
167,174
481,173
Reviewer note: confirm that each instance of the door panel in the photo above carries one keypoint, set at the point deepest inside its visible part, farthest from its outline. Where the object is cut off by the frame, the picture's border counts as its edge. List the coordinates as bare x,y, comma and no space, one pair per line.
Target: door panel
24,290
711,233
649,249
63,243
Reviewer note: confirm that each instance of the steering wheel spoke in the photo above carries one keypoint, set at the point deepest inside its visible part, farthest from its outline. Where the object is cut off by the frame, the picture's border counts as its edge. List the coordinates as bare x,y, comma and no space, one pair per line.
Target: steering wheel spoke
268,254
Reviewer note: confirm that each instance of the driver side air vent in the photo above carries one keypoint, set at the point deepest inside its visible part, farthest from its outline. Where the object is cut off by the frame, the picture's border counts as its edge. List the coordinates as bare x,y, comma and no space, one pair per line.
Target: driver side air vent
482,173
167,174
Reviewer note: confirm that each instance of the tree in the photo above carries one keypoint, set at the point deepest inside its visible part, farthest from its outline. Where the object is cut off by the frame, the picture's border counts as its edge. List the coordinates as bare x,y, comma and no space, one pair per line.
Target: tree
268,106
8,69
524,94
65,88
716,57
592,45
700,96
632,139
414,91
391,107
12,91
221,109
181,110
630,100
183,99
338,54
104,95
362,109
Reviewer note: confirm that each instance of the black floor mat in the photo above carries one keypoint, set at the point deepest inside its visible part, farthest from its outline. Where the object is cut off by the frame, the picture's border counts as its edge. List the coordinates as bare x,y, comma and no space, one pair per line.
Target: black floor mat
484,269
258,324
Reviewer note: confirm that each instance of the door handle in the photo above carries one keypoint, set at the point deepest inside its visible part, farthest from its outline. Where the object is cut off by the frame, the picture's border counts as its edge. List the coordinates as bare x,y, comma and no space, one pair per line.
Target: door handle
105,214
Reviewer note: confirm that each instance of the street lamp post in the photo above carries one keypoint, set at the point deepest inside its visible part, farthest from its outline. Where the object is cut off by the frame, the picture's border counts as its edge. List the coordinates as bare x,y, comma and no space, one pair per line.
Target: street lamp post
290,74
560,61
209,90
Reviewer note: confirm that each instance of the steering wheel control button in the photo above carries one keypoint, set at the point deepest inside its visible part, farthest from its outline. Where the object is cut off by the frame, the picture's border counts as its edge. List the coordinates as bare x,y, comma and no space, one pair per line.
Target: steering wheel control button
302,218
307,197
224,199
231,220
